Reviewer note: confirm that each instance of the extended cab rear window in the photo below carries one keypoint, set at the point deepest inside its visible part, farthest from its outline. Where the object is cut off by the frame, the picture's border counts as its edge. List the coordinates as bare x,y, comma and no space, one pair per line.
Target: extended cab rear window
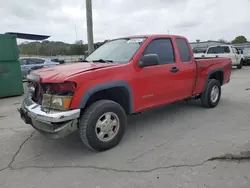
183,50
218,50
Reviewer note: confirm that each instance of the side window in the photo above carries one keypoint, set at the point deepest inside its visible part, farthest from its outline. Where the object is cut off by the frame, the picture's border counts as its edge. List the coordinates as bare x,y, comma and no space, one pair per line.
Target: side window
227,50
163,48
234,50
39,61
30,62
23,61
183,50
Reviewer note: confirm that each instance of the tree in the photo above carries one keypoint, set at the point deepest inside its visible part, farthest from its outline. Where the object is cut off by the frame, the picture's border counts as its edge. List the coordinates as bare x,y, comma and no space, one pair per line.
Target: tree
79,42
78,48
53,48
98,44
240,39
223,41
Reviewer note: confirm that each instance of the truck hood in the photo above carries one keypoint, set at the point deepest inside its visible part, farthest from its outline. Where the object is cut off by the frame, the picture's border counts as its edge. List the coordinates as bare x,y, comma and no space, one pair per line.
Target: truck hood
60,72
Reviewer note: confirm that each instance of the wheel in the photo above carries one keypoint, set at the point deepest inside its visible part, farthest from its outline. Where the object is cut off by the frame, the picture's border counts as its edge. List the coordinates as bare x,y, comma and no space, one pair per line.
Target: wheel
240,65
211,95
102,125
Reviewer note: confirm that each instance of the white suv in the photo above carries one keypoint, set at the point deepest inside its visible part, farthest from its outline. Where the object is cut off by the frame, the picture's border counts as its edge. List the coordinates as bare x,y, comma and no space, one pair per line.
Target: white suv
226,51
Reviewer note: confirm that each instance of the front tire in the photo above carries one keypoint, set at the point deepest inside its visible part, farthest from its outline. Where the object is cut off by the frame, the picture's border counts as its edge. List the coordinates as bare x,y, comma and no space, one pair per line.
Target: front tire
102,125
211,95
240,65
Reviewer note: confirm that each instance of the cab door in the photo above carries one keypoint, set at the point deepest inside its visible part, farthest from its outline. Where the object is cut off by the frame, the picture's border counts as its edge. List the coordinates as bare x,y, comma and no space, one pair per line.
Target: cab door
157,84
234,56
187,69
237,56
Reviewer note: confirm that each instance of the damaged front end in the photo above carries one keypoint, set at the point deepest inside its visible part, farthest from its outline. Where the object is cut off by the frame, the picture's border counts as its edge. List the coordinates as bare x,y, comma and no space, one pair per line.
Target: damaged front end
47,108
55,96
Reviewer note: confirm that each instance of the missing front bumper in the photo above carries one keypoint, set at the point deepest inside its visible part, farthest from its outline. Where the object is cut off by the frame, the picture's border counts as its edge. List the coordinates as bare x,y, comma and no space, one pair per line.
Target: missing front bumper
54,125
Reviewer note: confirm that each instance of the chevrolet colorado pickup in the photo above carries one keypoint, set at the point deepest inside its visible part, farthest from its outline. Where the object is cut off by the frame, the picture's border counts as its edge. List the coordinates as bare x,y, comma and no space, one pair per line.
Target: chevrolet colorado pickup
122,77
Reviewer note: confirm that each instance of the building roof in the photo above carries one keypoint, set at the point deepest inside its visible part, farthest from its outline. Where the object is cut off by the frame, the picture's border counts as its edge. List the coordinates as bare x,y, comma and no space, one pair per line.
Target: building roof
206,42
28,36
242,44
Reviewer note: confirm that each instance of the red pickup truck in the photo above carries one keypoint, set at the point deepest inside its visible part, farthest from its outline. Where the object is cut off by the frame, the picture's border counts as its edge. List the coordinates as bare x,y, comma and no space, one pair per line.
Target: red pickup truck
122,77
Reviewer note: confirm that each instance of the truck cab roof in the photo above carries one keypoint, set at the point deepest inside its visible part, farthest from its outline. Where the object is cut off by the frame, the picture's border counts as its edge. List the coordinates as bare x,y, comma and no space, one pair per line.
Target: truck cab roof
154,36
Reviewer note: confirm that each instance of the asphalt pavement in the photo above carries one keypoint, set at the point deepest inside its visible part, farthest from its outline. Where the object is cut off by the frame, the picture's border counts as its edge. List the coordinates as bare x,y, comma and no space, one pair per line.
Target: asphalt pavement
177,145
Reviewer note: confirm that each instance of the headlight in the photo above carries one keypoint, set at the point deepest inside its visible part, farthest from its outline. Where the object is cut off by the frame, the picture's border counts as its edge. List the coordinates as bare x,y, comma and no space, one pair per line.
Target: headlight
31,89
56,102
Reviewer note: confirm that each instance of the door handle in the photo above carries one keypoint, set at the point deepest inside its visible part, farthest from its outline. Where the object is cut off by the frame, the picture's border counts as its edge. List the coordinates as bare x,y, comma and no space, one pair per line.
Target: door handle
174,69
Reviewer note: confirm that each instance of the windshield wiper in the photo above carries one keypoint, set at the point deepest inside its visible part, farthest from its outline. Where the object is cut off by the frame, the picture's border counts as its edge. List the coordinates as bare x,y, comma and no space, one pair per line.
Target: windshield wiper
103,61
83,60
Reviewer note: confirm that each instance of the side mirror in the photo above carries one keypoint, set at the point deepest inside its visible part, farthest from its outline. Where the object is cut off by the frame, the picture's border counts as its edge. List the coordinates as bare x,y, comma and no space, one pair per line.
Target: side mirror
149,60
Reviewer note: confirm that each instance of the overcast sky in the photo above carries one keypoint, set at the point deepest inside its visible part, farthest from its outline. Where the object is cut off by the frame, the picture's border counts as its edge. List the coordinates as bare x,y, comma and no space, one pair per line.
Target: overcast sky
195,19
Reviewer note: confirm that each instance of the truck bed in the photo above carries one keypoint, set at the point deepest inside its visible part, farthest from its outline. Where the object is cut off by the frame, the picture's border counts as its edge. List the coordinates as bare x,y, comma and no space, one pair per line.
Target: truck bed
209,65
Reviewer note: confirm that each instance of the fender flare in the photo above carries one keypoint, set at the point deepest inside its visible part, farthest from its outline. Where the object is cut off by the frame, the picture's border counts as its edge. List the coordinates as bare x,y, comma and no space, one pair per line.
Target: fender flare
212,72
108,85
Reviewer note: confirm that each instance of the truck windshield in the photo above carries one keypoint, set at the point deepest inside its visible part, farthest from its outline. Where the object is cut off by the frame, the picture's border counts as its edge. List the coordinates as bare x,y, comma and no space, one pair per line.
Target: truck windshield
119,51
218,50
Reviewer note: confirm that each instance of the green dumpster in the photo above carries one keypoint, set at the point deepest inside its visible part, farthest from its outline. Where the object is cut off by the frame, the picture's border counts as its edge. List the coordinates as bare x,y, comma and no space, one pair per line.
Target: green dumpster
10,71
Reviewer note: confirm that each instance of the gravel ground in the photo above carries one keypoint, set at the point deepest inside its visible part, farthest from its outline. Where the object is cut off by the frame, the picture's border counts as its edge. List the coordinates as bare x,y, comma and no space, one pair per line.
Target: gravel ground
178,145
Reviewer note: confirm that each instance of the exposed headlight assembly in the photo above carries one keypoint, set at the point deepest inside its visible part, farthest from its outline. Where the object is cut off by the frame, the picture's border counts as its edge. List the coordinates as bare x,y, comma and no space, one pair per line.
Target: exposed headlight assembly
30,88
56,102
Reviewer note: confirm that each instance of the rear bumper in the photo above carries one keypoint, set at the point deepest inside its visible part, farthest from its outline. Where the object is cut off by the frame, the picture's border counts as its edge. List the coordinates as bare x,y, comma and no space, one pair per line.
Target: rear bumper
53,124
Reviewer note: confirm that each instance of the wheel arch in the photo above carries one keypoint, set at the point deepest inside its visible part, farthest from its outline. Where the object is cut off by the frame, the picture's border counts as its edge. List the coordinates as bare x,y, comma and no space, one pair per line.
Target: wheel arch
126,95
217,74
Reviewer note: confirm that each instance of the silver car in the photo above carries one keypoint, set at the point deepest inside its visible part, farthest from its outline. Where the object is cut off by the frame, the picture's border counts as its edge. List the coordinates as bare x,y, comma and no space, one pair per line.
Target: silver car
29,64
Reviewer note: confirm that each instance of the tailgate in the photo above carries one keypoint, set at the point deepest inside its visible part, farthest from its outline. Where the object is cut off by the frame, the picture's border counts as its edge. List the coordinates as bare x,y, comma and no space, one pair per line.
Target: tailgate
216,55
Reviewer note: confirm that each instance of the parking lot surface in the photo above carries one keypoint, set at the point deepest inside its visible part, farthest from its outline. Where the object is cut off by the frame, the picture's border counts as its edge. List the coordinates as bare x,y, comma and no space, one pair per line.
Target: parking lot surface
177,145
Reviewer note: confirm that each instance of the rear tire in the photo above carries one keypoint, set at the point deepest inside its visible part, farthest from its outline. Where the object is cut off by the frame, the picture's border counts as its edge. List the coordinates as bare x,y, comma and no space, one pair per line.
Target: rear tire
240,65
97,125
211,95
